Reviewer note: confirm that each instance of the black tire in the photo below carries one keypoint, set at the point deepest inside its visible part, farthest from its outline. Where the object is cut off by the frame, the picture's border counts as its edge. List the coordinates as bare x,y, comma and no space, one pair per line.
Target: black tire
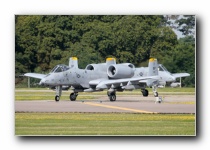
57,98
145,92
73,96
156,94
112,97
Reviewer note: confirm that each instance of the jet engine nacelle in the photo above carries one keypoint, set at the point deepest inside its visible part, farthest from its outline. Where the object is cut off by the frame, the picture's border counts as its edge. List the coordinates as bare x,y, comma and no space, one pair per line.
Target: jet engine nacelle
117,71
99,67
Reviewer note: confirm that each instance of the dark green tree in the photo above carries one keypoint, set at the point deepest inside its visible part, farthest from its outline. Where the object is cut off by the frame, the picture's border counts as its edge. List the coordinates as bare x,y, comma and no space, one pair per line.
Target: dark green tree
184,59
43,41
186,24
26,43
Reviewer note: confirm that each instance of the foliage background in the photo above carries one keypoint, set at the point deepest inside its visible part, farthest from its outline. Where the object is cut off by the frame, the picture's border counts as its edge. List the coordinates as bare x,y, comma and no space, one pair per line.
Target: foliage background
43,41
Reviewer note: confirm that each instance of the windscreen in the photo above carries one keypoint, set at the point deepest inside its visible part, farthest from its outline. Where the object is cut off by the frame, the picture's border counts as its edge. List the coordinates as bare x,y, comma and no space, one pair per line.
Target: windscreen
162,68
59,68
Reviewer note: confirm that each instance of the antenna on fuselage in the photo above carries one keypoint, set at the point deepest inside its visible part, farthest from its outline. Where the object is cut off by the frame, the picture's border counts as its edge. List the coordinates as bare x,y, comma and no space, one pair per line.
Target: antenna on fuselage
73,62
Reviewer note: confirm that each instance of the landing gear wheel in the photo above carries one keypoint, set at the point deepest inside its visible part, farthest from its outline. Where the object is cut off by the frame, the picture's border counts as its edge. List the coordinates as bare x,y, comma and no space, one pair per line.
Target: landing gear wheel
156,94
73,96
145,92
57,98
112,97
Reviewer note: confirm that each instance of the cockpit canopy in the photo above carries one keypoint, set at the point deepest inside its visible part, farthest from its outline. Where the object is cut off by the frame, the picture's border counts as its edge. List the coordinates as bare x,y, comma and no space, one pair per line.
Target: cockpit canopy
162,68
59,68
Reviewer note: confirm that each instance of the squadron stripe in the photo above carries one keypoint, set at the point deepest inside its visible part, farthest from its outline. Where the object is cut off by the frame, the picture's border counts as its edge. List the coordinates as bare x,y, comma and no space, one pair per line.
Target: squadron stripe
120,108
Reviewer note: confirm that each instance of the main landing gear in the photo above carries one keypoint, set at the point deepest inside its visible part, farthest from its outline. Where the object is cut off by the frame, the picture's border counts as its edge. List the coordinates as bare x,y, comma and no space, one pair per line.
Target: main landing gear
145,92
73,96
111,95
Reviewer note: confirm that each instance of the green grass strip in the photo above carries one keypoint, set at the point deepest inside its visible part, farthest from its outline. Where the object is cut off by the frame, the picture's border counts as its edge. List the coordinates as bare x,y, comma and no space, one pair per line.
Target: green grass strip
78,124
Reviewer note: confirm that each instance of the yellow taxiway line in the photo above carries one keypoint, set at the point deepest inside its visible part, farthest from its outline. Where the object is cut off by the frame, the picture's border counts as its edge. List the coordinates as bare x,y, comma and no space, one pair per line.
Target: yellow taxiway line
120,108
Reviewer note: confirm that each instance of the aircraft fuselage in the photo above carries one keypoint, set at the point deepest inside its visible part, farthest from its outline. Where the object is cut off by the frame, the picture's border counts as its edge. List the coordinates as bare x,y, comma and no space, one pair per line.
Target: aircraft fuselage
74,77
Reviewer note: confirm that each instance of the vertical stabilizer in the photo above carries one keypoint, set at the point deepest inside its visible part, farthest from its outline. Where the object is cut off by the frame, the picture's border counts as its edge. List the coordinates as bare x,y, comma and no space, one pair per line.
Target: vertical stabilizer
153,71
153,67
73,62
110,61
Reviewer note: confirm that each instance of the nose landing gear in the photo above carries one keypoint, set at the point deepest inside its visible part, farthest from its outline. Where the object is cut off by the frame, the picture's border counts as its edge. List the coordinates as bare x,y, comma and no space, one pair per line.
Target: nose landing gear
58,92
154,89
57,98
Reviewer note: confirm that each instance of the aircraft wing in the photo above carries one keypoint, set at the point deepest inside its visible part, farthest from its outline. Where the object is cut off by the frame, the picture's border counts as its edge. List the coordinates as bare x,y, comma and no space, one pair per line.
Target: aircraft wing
178,75
35,75
122,82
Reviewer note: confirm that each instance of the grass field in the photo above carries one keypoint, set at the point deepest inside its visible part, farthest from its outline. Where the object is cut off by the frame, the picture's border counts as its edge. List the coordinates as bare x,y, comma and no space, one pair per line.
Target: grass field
44,93
118,124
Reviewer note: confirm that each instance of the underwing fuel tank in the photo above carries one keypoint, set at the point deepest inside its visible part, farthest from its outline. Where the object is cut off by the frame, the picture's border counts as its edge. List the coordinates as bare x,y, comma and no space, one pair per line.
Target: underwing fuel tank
175,84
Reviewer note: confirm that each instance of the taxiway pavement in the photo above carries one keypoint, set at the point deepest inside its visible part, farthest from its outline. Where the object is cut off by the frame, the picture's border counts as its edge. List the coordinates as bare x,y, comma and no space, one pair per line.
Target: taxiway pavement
123,104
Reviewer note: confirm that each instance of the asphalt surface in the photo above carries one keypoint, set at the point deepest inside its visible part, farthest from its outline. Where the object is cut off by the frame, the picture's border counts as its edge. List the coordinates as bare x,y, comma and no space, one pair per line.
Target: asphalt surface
125,104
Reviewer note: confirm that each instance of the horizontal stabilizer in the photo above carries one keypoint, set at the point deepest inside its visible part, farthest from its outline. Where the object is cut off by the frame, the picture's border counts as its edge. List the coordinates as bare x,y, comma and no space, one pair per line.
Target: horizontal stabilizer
178,75
35,75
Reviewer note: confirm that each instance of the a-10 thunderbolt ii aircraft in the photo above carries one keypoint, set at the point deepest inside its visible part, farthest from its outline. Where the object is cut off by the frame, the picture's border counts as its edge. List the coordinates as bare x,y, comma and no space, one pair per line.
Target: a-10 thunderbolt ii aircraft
164,75
98,77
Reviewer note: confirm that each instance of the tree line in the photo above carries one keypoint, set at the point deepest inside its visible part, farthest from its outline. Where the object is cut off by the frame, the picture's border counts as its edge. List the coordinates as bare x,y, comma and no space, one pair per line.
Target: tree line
43,41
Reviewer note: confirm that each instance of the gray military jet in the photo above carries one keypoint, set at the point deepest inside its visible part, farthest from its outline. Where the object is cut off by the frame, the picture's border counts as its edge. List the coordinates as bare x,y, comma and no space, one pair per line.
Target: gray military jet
164,75
98,77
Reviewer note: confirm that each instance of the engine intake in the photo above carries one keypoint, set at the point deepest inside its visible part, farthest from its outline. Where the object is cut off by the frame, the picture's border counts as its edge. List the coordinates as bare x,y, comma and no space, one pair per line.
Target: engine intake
121,71
98,67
